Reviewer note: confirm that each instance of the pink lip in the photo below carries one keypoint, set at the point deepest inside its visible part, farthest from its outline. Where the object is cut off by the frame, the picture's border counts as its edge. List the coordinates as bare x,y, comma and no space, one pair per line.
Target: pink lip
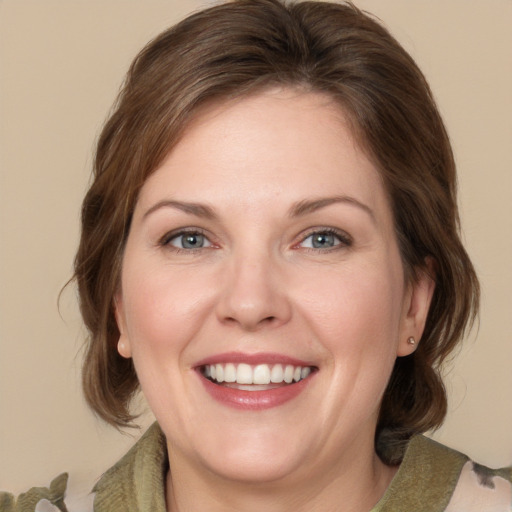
252,359
254,400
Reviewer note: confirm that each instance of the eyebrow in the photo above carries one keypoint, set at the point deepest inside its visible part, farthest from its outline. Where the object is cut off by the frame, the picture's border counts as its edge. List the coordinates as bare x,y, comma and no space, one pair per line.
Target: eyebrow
309,206
299,209
199,210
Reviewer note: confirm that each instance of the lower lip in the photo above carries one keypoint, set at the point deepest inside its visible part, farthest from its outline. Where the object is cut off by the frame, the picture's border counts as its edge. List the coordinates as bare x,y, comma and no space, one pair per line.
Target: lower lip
254,400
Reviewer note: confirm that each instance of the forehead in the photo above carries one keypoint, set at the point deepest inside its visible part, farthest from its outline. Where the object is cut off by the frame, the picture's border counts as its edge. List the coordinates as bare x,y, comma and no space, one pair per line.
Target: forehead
278,142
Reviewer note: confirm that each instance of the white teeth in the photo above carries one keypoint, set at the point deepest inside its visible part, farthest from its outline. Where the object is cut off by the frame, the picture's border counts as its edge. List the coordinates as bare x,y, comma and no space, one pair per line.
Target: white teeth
306,370
261,374
276,375
255,376
219,371
229,373
288,374
244,374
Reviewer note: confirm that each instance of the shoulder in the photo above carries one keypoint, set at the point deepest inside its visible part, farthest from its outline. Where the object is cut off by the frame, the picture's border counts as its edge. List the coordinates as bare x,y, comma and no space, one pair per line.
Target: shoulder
50,498
136,482
444,480
54,498
480,489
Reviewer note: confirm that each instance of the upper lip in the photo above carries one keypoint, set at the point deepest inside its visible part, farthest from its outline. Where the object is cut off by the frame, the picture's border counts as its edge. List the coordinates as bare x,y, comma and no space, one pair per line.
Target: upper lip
252,359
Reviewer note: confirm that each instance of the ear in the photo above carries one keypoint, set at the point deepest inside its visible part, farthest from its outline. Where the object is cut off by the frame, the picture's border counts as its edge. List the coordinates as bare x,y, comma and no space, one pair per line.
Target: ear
123,345
415,310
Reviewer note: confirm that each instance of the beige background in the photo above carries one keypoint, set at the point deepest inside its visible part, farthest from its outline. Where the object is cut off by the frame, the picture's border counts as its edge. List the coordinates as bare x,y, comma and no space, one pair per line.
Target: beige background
61,64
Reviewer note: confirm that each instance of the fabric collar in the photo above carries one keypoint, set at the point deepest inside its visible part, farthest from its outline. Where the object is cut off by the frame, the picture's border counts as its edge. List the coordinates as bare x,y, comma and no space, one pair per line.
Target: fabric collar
136,482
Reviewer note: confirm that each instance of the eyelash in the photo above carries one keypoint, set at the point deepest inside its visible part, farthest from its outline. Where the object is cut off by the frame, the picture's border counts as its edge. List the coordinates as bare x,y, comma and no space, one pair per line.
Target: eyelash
166,240
343,240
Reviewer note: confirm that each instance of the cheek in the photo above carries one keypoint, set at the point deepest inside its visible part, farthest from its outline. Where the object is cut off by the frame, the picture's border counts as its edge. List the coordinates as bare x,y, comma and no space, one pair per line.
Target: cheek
163,309
357,321
355,310
162,317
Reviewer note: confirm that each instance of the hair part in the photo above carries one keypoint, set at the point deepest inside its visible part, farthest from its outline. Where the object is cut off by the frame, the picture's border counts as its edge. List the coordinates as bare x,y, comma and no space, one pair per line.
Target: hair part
243,47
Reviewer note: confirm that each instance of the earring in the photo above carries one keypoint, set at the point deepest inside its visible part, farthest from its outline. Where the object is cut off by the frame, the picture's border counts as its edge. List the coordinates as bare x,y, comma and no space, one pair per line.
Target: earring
121,347
411,341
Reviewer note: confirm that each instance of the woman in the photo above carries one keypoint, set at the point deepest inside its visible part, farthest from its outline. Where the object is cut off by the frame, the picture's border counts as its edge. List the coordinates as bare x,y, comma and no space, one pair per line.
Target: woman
270,249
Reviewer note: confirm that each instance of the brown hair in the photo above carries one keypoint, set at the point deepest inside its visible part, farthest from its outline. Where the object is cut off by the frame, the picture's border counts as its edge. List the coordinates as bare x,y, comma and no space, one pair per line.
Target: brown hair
238,48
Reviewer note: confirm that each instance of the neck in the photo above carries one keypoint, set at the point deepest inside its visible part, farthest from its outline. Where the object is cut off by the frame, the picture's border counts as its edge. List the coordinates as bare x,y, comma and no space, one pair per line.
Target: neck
356,480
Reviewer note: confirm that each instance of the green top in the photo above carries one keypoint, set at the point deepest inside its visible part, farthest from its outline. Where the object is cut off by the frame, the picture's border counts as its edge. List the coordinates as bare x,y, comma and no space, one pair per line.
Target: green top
431,478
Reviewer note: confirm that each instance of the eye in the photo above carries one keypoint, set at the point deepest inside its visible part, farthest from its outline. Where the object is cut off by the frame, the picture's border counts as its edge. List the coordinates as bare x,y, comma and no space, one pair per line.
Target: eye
325,239
187,240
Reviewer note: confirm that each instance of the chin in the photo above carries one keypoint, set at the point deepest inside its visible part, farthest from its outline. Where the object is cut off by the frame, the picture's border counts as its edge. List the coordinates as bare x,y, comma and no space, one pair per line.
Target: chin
255,468
249,455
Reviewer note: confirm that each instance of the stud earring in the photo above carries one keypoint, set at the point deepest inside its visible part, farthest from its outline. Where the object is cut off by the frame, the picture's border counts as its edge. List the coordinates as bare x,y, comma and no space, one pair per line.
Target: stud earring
411,341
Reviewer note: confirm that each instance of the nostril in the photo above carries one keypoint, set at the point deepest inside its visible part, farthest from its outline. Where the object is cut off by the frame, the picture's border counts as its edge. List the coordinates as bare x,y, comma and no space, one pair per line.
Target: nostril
252,307
252,324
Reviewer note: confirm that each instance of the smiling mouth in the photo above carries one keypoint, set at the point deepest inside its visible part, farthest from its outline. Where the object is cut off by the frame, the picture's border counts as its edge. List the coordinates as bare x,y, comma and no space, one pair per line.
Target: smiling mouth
255,377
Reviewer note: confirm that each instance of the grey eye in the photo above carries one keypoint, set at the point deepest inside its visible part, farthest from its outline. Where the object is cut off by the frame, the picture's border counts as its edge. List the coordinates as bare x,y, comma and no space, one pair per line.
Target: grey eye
321,240
190,241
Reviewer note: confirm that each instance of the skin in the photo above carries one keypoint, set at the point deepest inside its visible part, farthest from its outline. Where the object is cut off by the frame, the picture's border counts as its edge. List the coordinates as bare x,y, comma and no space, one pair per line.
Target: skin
258,285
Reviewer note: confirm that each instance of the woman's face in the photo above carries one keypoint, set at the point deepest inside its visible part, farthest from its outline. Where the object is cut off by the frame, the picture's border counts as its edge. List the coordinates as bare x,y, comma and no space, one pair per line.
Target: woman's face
263,250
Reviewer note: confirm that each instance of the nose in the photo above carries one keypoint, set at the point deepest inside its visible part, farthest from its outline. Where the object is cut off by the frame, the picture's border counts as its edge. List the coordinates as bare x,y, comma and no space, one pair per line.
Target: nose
254,293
